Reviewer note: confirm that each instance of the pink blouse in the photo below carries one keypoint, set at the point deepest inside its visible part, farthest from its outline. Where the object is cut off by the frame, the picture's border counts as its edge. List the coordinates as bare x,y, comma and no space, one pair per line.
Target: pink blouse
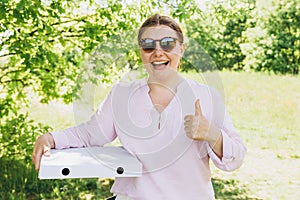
174,166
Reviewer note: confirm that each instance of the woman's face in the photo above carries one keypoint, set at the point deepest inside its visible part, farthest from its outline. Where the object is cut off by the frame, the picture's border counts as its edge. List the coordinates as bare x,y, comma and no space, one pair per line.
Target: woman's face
159,62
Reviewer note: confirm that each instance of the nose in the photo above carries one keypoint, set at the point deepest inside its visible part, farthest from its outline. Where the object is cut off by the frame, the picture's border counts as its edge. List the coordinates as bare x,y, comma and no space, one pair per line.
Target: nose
158,50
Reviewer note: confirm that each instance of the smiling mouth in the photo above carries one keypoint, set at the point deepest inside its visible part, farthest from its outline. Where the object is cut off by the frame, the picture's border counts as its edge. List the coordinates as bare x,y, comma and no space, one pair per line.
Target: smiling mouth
160,64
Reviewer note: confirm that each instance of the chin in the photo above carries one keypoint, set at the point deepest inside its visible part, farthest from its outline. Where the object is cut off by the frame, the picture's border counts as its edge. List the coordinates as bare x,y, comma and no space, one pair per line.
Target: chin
164,74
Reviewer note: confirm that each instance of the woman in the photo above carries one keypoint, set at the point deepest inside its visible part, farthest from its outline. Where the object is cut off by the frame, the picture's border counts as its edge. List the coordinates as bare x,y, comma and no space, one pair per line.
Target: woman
171,124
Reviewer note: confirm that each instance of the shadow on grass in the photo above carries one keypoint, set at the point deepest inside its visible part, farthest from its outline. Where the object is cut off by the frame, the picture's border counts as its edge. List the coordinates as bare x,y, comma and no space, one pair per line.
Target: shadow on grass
231,189
19,180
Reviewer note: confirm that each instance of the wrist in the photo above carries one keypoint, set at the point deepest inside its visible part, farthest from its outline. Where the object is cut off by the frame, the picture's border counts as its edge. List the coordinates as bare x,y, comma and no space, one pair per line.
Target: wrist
215,135
50,140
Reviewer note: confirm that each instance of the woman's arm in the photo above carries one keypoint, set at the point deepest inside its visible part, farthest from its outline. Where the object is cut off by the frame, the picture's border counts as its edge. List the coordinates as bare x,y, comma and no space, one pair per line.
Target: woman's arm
98,131
211,123
197,127
233,149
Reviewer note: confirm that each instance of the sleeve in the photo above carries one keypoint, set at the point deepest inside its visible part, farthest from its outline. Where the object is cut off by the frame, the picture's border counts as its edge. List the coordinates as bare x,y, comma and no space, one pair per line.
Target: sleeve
233,148
98,131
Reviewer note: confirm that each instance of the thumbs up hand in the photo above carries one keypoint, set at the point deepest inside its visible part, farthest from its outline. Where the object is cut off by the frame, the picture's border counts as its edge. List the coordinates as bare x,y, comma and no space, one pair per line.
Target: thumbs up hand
197,127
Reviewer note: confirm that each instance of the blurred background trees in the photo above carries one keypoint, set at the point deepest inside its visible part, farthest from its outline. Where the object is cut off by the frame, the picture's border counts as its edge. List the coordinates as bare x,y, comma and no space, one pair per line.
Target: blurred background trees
49,48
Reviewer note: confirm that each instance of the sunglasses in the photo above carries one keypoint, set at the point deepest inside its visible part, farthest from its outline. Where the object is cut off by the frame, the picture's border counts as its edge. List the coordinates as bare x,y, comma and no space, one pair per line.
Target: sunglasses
166,43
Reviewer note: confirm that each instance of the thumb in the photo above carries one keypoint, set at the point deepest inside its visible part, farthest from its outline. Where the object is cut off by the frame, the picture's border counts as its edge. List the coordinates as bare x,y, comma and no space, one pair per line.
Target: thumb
198,110
47,150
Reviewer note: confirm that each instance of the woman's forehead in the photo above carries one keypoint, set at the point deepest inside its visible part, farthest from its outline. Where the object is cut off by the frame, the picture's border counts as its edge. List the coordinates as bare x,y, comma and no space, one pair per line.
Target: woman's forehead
158,32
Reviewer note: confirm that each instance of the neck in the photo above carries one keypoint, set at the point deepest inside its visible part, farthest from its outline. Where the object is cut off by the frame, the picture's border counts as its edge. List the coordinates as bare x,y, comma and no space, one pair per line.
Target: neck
169,84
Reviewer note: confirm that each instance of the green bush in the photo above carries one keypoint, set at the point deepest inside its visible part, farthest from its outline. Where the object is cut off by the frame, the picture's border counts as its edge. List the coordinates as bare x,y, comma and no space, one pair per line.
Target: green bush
19,180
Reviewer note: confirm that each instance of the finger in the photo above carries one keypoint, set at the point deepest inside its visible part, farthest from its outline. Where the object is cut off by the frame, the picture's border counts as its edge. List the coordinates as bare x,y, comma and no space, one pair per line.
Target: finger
33,158
190,123
188,118
33,155
185,124
186,127
189,134
37,160
34,152
46,150
198,110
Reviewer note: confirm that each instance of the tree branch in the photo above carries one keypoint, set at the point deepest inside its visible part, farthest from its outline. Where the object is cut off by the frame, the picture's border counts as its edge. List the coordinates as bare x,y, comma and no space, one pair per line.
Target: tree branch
8,54
4,67
8,72
79,19
77,44
14,80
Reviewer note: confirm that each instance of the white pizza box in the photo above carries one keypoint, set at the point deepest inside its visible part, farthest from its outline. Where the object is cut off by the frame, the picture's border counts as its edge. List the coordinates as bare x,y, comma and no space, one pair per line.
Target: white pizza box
91,162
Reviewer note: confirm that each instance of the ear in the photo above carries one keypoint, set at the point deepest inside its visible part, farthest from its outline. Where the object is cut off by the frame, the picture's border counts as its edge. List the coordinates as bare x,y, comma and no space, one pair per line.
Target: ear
182,48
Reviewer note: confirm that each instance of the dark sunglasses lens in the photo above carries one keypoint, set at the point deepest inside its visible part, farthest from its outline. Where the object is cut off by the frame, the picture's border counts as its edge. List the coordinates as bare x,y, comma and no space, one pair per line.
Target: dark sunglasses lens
168,44
148,45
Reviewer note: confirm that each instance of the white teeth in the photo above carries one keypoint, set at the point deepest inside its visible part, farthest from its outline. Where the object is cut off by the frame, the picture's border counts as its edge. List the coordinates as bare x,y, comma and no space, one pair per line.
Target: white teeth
158,63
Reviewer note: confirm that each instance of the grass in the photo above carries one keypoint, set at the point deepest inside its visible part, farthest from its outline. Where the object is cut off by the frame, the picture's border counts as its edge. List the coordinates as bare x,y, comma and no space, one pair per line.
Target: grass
265,110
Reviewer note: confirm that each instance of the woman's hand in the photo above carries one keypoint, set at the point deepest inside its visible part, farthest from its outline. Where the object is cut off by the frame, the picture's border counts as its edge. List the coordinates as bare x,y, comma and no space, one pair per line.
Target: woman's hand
42,147
197,127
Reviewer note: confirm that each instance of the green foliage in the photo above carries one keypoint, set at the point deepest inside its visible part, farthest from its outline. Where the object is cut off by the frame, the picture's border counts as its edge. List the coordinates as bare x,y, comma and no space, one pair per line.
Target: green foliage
17,171
43,47
47,43
17,136
273,44
234,22
219,31
282,54
44,44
